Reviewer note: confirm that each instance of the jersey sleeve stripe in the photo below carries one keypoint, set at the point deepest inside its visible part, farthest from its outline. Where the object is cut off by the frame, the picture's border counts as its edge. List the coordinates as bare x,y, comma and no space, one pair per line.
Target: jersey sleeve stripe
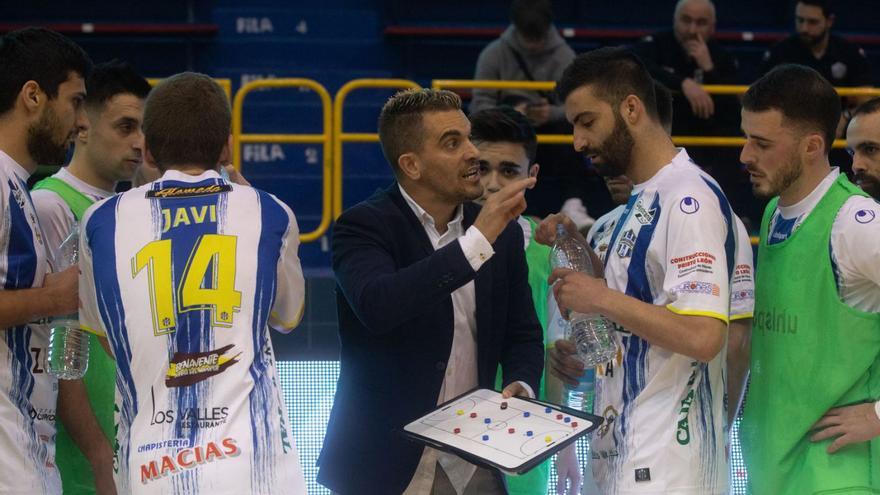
697,312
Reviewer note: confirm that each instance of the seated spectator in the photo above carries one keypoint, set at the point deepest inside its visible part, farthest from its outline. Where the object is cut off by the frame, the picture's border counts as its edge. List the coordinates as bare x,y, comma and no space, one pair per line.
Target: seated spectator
531,49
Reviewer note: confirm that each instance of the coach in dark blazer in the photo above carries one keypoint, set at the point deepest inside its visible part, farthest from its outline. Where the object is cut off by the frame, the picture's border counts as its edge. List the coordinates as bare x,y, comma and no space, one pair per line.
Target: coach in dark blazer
397,315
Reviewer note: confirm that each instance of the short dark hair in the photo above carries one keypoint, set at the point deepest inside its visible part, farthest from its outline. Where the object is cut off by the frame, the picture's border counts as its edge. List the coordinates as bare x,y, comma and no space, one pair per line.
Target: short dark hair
614,73
40,55
532,18
400,122
112,78
664,104
826,6
804,97
868,107
504,125
187,121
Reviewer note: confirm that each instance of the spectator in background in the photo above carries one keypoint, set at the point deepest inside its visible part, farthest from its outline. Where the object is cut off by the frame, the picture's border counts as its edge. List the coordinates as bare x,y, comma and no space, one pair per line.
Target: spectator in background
842,63
686,57
683,59
531,49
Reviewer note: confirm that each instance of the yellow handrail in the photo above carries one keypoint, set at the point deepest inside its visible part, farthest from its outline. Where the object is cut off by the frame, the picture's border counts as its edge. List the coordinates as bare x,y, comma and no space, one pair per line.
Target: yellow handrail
341,137
224,83
325,138
716,89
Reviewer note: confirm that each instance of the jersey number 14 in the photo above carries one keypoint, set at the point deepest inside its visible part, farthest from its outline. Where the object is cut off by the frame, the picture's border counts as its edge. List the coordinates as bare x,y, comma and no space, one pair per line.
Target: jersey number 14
212,260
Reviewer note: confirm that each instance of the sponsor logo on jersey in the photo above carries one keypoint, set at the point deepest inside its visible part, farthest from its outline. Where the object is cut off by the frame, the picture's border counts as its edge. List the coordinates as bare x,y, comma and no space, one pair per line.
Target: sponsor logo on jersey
190,368
171,443
695,287
741,295
189,418
42,414
188,458
742,273
683,430
689,205
626,244
643,474
188,192
865,216
701,262
644,215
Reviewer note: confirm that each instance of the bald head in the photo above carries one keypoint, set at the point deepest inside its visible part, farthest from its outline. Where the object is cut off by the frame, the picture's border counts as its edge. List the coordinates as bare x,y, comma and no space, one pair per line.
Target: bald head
694,18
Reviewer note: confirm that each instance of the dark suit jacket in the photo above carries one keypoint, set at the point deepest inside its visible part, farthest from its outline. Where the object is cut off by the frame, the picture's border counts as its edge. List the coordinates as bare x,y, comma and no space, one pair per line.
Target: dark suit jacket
396,327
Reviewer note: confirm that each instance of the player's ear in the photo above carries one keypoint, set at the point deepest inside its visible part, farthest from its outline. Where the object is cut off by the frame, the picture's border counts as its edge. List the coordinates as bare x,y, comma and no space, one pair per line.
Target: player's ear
534,169
150,161
226,152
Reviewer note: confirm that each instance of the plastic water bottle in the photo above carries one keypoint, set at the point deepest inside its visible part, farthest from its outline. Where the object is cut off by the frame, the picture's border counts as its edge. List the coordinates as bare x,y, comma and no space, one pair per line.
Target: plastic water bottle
581,396
68,345
590,333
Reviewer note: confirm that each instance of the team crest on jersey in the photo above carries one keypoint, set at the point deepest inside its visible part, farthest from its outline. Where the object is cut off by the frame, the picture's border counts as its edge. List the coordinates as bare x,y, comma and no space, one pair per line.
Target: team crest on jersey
626,244
17,194
188,368
644,215
189,192
610,414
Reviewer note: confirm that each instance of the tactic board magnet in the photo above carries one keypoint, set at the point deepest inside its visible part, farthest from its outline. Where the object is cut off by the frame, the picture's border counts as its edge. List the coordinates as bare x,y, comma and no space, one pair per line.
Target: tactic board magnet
530,430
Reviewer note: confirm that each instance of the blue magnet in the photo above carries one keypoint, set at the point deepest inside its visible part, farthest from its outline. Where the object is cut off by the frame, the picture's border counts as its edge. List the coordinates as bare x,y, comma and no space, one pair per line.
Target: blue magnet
529,433
568,420
548,410
487,421
485,437
526,414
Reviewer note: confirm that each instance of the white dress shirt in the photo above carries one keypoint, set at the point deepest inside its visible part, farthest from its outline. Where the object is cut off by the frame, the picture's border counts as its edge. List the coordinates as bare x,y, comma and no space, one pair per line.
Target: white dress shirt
461,368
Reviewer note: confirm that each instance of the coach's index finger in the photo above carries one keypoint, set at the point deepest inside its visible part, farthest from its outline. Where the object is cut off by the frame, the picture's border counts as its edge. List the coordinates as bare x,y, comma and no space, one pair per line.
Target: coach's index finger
513,188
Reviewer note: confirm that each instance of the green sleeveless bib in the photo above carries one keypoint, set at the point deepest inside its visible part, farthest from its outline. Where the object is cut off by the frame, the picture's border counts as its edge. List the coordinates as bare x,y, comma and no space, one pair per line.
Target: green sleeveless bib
538,260
76,201
100,378
810,352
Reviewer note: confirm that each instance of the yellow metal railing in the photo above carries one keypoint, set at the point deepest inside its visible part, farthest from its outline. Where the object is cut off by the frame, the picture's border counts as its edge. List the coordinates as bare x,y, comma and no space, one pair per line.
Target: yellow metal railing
325,138
341,137
224,83
707,141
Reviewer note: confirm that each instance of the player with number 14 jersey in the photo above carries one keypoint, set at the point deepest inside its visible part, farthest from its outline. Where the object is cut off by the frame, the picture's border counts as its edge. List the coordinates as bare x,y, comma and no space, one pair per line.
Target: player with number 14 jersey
184,276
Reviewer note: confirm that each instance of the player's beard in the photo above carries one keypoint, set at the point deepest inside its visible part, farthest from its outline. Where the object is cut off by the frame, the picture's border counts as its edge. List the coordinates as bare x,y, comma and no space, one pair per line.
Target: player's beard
869,183
41,143
784,178
616,150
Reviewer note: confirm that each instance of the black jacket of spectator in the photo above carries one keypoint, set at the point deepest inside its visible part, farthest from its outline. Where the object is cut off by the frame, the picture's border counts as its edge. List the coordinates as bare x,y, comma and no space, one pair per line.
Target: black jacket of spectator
670,64
843,64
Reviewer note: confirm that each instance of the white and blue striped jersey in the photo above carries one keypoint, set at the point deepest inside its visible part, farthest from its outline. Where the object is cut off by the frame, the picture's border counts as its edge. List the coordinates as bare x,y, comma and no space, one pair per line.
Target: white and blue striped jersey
27,400
742,293
185,276
674,244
